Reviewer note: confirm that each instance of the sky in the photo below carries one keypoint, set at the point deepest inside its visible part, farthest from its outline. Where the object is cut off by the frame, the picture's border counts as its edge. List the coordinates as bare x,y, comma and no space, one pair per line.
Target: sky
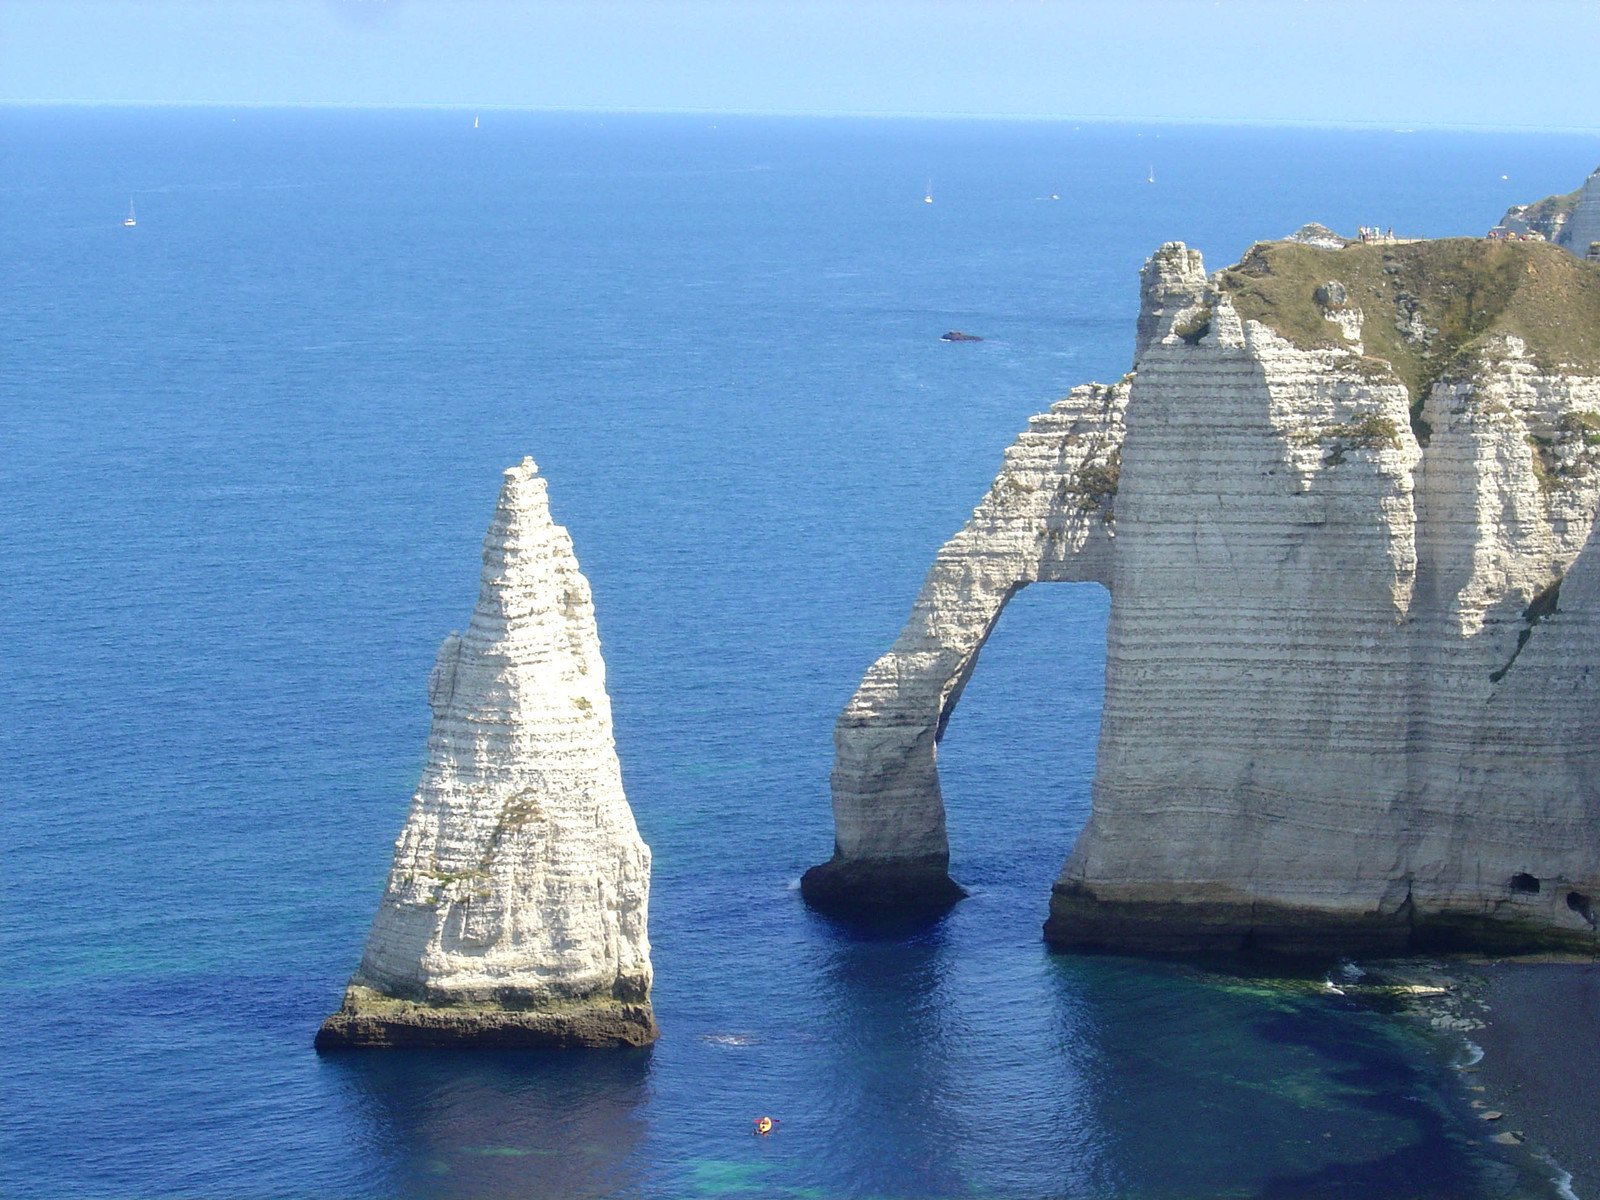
1407,63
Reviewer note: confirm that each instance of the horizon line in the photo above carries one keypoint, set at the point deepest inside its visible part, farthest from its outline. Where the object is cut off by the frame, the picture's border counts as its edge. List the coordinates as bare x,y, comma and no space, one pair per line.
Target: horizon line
1393,125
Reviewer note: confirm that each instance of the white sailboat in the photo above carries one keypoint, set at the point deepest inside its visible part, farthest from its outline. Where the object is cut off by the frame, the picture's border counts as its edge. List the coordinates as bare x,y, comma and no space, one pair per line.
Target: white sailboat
1151,178
474,120
927,196
130,220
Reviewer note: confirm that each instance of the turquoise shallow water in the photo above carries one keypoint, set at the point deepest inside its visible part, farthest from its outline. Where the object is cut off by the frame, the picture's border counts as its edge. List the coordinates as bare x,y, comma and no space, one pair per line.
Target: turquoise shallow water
249,450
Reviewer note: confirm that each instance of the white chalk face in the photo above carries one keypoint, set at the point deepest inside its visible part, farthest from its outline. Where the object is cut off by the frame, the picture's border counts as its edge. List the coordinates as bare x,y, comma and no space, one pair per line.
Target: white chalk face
1583,227
1339,678
520,872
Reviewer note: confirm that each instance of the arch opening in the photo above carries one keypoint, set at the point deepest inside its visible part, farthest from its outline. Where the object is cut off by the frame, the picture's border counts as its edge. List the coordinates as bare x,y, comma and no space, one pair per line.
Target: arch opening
1048,517
1016,766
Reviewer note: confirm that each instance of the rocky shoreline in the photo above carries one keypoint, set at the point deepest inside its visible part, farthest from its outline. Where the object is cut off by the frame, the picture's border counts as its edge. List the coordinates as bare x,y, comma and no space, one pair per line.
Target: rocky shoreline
1530,1034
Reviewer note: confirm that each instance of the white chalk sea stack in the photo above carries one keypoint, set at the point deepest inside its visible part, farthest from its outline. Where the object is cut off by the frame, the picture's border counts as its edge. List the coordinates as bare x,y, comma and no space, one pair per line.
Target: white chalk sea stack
515,911
1345,507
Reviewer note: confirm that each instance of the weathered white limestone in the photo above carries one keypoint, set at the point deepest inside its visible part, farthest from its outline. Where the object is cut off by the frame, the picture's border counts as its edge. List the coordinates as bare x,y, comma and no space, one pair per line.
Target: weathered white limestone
1583,227
515,910
1169,284
1571,220
1318,727
1316,234
1050,515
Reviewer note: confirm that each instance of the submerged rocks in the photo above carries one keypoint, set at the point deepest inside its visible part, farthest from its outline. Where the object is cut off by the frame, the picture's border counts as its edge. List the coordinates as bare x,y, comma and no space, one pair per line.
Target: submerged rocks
515,911
957,335
1353,672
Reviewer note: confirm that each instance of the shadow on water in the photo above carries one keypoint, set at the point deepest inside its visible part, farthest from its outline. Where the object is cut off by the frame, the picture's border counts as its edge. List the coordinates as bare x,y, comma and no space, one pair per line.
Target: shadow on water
1440,1161
525,1124
1218,1084
888,1058
884,925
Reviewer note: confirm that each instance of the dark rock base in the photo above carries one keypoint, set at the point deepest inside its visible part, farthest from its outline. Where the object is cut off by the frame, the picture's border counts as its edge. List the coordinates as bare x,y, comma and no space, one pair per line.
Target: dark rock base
881,887
369,1019
1082,922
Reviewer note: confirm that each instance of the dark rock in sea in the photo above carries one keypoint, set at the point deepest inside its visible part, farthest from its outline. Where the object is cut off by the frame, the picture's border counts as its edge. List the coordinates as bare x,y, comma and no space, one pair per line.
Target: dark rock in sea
368,1019
956,335
883,888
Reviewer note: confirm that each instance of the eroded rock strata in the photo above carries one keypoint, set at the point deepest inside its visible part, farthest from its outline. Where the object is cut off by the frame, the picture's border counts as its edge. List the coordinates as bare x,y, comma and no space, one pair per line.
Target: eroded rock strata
515,911
1571,220
1583,230
1345,507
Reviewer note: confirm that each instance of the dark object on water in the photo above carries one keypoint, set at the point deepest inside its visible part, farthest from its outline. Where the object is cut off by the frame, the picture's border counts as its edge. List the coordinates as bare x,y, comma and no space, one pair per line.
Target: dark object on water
955,335
876,892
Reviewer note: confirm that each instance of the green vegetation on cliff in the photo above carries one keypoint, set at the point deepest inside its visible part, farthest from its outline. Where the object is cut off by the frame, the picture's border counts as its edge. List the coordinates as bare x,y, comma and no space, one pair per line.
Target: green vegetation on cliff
1430,310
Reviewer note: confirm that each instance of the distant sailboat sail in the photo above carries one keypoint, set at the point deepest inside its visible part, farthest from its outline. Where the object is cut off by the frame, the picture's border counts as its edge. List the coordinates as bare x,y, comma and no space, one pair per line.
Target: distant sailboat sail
130,220
1152,176
474,120
927,196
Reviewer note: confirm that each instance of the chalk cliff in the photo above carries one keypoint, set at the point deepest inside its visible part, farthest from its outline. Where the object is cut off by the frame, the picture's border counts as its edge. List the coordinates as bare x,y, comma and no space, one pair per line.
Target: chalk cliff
1345,507
515,910
1583,228
1571,220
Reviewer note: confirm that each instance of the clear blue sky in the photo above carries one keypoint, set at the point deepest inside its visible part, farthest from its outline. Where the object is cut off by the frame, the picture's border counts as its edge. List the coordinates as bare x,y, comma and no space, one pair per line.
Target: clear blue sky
1405,62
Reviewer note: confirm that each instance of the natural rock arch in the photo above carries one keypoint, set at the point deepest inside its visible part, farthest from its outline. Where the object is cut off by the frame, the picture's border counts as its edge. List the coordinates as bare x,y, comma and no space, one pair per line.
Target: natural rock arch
1346,705
1049,517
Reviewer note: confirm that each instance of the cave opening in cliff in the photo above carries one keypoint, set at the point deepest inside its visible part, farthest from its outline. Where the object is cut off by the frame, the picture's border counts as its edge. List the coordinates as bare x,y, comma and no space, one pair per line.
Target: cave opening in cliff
1018,755
1580,904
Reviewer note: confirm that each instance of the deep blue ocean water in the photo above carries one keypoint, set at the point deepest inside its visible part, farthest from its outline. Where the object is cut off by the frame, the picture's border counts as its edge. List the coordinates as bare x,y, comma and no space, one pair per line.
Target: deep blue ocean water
248,450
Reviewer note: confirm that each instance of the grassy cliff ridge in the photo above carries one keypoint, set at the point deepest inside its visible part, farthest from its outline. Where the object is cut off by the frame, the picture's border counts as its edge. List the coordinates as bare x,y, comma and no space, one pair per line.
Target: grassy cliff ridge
1430,310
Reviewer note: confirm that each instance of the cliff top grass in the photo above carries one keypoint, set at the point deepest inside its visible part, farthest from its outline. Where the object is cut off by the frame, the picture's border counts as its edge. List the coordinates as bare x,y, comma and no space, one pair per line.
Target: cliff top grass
1430,309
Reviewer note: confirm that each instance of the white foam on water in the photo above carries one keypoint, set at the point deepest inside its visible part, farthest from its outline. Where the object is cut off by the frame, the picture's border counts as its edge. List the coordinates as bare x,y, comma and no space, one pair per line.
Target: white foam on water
1562,1178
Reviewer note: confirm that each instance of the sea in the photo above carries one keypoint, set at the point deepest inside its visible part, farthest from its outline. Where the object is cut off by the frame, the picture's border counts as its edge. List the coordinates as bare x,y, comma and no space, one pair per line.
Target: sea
249,447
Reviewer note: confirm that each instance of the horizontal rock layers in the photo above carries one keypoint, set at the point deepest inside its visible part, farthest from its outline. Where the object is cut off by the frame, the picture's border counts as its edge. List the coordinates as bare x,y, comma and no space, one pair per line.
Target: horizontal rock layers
1048,516
1583,228
1345,507
515,911
1571,220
